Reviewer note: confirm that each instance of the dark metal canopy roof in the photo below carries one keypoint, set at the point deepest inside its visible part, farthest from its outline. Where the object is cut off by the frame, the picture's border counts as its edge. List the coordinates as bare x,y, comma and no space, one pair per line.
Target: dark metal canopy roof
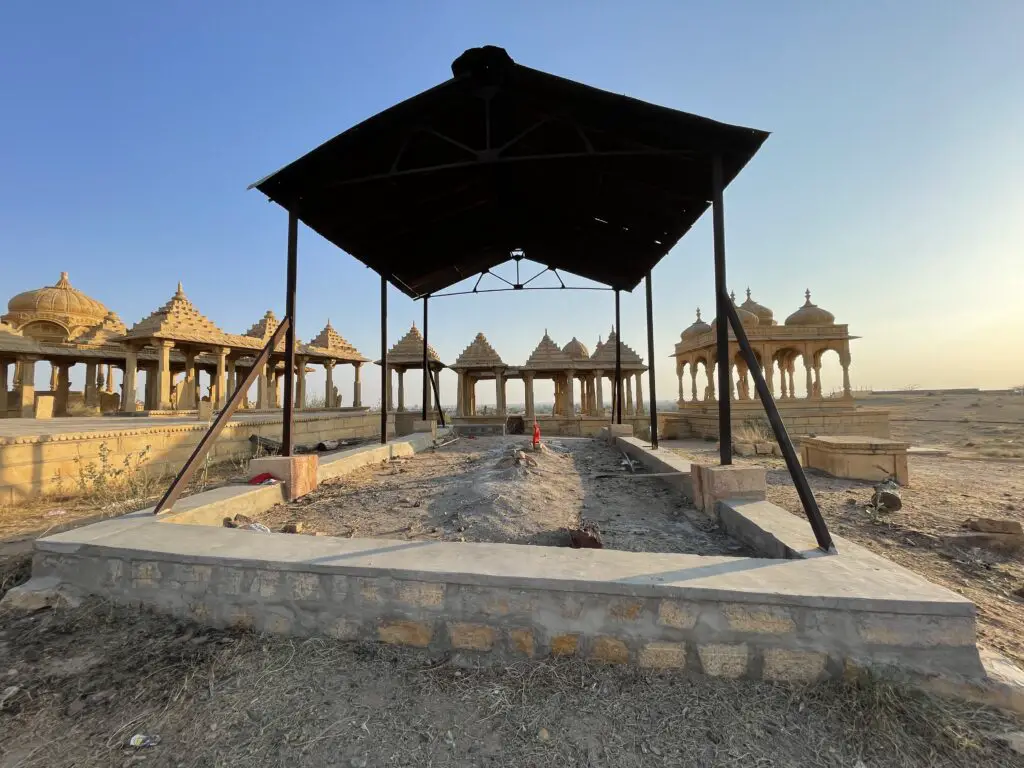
504,158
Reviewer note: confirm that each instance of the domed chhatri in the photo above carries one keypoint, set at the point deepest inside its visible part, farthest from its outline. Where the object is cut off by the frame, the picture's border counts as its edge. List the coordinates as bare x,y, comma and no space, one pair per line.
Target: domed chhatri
764,315
576,350
747,319
37,312
698,328
811,314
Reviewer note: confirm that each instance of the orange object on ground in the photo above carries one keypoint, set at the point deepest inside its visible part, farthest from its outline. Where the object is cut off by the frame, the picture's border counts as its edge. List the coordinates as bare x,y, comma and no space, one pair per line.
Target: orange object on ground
536,434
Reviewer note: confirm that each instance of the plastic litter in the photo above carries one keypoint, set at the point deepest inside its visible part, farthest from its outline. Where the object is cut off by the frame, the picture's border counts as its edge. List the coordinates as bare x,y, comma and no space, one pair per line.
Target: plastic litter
56,512
141,740
258,527
261,479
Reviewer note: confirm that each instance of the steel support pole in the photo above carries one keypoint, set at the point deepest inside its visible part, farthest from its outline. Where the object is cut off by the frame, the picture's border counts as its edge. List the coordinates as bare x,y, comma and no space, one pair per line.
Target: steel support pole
383,359
653,405
803,489
721,314
426,362
618,361
287,437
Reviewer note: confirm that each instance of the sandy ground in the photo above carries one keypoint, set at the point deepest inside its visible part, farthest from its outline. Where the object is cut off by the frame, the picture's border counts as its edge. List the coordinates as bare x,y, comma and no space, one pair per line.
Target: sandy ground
78,685
982,425
467,491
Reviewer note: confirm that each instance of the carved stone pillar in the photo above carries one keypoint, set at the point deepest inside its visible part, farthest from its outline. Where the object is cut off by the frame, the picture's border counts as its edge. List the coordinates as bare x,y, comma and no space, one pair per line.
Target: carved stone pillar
709,372
25,372
817,380
3,389
329,391
129,381
639,394
221,383
357,388
528,382
391,390
300,383
769,375
163,375
460,395
232,380
263,389
401,388
54,374
60,403
110,379
628,405
679,375
570,396
693,382
809,369
844,360
499,391
92,390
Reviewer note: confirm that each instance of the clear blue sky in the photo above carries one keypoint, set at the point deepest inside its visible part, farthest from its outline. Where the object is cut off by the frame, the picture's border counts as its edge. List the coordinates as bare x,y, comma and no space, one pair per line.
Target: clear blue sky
891,186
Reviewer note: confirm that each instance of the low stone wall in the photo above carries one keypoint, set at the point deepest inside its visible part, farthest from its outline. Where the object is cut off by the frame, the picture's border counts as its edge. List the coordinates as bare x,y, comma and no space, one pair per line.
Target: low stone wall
857,457
824,418
731,617
31,466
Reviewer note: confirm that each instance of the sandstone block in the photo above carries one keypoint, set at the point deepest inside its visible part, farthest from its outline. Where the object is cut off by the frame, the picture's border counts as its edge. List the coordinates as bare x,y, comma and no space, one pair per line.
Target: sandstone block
793,665
471,637
304,586
723,660
145,575
420,594
712,484
564,645
414,633
663,656
916,631
625,610
340,629
521,641
677,615
609,650
992,525
997,542
760,619
298,473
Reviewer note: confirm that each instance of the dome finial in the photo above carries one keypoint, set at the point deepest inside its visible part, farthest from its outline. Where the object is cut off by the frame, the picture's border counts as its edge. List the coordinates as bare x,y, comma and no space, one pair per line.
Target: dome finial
63,282
180,291
698,314
807,295
748,293
732,295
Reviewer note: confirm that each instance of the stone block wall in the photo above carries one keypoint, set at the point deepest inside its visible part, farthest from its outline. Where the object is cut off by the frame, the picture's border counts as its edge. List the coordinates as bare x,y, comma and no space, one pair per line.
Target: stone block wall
720,637
30,466
867,423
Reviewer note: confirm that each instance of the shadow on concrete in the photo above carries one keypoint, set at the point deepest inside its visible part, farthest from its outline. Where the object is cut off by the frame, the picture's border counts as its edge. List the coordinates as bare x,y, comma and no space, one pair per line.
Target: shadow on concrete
735,565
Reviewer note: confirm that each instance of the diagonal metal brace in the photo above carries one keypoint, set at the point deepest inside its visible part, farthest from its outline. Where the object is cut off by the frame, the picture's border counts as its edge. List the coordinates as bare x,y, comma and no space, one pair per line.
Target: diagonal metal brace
185,475
803,489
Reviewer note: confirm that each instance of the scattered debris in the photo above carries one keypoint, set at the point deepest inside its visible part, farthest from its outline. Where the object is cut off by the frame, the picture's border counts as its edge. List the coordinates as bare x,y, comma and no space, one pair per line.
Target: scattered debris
56,513
886,497
1006,543
263,478
993,525
293,526
141,740
543,735
258,527
587,536
8,693
238,521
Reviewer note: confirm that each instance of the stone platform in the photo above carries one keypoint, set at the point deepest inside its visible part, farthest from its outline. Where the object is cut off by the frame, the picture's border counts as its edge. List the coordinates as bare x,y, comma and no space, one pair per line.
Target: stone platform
801,417
802,616
33,453
857,457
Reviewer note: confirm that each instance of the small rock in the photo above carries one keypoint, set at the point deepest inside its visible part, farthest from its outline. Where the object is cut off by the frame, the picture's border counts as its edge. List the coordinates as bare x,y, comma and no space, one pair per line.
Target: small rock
8,693
241,520
543,735
1019,591
293,526
229,523
993,525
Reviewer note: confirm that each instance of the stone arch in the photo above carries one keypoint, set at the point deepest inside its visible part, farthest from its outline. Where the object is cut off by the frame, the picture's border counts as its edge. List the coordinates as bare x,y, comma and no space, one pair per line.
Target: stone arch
46,331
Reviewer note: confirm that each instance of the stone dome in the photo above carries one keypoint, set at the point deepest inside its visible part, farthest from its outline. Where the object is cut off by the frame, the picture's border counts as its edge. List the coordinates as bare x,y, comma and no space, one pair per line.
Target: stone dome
747,319
811,314
60,303
698,328
764,315
576,350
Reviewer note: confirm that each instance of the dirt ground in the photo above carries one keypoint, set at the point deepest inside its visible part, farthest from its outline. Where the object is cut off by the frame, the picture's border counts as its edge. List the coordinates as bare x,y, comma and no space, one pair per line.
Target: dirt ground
77,685
470,490
970,425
